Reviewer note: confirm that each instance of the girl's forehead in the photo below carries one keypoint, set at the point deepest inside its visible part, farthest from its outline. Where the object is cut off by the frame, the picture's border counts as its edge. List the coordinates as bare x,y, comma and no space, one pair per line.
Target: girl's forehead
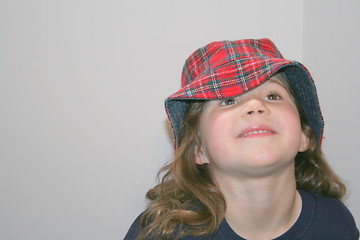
277,82
279,79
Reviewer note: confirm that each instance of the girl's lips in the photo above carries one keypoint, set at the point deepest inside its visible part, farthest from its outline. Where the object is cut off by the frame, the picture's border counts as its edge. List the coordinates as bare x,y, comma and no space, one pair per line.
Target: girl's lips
257,131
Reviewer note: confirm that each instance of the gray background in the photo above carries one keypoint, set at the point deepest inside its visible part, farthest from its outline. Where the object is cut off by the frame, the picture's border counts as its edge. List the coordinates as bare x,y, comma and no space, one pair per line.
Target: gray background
82,127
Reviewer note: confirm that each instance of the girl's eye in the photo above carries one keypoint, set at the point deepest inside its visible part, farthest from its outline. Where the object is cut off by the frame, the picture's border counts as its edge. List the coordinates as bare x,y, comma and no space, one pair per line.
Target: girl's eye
228,101
273,96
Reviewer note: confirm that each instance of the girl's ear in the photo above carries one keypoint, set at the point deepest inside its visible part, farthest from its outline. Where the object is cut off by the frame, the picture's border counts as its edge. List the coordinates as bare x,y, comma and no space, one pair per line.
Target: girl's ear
304,143
200,157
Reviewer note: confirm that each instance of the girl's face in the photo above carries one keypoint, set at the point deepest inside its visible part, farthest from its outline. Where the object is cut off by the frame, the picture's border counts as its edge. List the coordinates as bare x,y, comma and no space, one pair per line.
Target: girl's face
256,134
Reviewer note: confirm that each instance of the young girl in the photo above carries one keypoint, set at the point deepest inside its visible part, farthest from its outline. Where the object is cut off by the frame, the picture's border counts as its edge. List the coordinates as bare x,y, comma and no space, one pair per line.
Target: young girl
248,162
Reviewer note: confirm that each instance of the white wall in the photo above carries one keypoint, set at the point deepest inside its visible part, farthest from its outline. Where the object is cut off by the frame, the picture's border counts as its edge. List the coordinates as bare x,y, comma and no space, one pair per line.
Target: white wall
83,130
331,52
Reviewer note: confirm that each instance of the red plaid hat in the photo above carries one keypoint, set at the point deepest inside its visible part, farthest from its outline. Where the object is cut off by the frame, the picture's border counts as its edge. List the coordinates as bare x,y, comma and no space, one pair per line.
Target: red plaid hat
226,69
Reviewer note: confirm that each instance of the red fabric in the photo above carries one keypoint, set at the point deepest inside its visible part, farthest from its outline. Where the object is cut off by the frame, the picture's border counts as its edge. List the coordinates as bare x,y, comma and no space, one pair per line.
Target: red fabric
227,68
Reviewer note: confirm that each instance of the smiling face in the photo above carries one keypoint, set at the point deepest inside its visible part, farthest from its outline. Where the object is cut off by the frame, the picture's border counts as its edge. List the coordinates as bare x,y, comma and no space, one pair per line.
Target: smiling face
255,134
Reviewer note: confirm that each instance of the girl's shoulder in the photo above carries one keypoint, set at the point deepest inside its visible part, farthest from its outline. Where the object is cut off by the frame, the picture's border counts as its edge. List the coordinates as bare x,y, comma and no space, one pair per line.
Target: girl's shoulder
329,207
134,229
328,217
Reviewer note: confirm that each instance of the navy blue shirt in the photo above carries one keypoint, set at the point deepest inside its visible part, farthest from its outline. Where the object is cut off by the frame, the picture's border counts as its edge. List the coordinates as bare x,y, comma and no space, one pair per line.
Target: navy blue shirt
321,218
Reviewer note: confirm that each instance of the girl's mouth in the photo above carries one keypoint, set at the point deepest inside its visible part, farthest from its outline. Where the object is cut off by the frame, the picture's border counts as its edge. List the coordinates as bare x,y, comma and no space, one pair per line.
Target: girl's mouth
257,131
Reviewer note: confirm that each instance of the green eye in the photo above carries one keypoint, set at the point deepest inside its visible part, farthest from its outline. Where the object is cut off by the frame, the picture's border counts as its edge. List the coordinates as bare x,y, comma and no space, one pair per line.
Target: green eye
228,101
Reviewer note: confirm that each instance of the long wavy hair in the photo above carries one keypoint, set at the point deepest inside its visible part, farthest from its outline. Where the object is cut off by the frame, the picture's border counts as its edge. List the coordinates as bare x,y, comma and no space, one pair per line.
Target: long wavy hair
188,202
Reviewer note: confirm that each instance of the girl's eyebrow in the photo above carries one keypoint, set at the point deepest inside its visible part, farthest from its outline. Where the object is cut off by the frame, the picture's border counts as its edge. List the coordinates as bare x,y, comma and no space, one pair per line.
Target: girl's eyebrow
277,81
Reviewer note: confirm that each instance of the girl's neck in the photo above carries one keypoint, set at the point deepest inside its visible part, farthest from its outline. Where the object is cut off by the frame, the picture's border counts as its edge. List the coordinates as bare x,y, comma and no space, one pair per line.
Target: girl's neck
262,208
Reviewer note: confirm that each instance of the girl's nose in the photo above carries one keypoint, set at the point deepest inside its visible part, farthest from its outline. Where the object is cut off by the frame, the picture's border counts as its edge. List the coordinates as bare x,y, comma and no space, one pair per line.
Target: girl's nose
259,111
255,107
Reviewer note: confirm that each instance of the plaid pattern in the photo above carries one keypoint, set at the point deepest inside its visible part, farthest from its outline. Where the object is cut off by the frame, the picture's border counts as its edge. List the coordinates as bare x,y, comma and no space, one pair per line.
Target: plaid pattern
230,68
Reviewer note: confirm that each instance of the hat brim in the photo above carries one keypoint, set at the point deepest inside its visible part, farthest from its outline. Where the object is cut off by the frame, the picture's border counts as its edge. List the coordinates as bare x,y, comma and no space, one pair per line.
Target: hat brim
238,83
